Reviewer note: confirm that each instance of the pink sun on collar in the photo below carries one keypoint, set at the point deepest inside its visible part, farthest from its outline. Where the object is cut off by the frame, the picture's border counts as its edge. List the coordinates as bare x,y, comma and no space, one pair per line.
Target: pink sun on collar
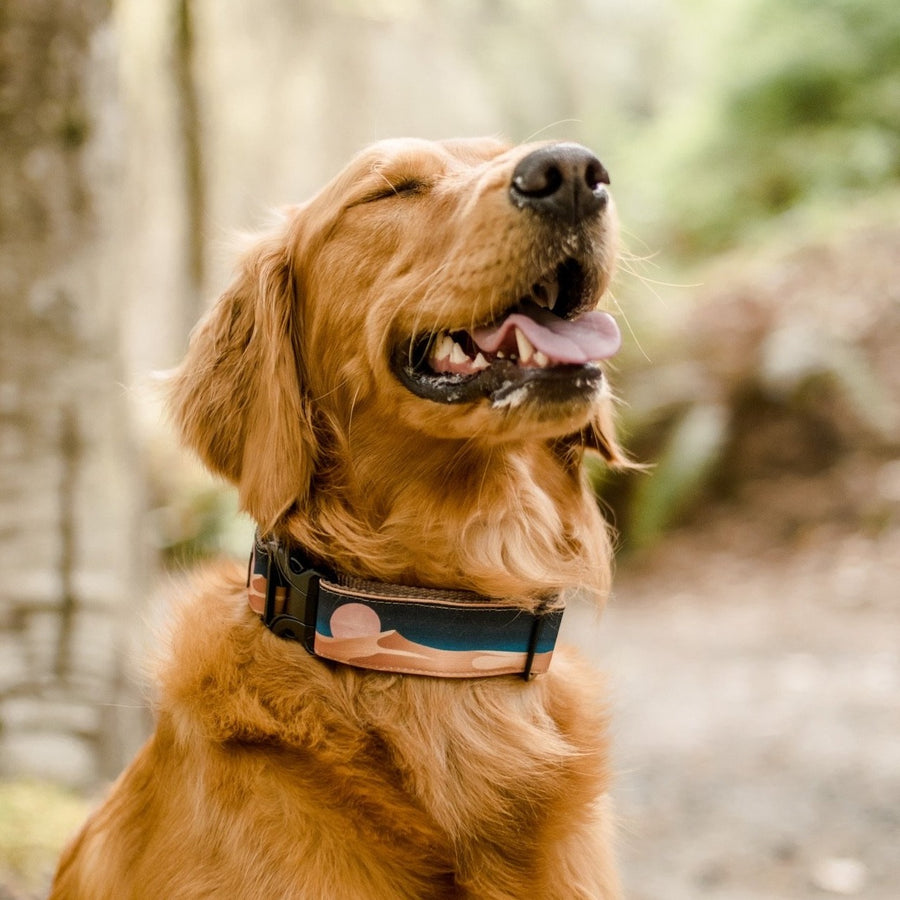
353,620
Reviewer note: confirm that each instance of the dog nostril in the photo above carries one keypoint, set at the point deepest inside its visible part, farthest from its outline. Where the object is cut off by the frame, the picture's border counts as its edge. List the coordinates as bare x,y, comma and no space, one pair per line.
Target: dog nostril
596,175
565,181
538,181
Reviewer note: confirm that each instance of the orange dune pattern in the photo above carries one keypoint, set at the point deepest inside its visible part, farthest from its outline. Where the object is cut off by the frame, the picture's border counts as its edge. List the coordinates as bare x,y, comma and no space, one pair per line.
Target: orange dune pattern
389,651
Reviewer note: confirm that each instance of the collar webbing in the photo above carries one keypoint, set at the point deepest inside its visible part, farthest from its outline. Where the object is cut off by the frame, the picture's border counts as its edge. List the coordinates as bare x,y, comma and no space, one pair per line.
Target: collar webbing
395,628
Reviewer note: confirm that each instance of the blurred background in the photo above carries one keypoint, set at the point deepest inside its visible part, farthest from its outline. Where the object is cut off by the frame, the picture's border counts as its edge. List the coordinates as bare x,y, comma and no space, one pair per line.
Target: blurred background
752,646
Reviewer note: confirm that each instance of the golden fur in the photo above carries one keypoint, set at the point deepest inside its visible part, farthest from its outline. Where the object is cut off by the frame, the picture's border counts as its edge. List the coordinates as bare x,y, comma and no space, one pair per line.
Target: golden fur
272,774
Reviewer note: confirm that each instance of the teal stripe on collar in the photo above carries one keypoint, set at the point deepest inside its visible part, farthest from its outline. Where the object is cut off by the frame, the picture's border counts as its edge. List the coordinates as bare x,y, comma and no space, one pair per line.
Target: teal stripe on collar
396,628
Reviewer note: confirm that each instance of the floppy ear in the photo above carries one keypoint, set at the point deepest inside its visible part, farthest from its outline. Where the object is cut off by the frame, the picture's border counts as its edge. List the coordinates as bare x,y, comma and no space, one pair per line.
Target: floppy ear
237,397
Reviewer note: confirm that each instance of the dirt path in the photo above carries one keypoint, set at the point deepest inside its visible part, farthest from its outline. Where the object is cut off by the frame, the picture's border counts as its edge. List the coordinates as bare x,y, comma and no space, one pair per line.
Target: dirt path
756,716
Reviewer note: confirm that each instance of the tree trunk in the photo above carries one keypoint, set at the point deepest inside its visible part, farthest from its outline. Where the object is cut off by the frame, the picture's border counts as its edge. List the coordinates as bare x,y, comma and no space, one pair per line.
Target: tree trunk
70,488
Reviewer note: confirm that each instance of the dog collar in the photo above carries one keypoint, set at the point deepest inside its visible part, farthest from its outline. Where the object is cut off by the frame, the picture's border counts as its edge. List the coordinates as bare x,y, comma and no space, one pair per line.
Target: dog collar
395,628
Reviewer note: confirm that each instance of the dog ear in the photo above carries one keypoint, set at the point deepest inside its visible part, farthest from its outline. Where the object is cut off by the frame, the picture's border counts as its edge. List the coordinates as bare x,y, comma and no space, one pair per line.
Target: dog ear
238,398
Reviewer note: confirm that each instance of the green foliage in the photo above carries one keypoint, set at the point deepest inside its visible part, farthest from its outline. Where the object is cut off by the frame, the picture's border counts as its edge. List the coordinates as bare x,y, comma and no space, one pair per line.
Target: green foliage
693,447
801,103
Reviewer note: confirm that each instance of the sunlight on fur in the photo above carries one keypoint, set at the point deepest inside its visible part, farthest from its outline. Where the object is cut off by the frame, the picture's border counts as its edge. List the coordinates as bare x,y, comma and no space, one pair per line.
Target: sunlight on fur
401,379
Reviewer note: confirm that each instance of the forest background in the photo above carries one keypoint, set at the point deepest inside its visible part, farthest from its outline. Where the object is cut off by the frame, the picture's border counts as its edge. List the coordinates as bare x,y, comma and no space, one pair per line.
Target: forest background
752,642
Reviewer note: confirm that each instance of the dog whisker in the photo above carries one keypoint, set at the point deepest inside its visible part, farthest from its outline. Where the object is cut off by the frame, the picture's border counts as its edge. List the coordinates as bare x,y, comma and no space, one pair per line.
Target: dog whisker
627,321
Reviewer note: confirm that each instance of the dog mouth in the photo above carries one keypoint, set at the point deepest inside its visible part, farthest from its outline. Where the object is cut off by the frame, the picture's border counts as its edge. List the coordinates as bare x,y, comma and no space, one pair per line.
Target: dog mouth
547,346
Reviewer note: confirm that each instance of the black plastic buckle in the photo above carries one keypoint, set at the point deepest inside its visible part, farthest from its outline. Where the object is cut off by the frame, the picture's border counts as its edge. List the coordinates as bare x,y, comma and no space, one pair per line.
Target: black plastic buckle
297,619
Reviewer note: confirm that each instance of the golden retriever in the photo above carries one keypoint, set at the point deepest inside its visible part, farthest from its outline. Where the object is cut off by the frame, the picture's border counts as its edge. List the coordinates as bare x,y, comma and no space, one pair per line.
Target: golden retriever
401,380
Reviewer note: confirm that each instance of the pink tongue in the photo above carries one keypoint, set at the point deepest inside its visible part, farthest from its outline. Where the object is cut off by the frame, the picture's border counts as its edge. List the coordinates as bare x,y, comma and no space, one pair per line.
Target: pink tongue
590,337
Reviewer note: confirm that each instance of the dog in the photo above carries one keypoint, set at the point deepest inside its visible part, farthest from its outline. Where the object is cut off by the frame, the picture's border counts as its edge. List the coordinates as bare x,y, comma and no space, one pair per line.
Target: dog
401,380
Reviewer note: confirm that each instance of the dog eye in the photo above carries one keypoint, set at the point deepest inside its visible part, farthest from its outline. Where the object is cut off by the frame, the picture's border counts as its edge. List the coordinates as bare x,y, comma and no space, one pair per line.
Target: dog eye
404,188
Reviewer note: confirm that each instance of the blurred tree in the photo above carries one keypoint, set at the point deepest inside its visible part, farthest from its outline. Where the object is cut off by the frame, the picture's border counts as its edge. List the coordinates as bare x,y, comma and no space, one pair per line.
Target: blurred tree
192,158
69,488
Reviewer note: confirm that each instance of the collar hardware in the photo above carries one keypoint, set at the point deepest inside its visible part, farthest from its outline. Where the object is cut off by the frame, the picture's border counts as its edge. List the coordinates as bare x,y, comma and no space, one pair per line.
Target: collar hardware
292,592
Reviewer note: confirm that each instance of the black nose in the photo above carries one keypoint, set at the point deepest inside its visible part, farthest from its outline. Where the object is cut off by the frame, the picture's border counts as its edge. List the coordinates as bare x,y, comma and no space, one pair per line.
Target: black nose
562,181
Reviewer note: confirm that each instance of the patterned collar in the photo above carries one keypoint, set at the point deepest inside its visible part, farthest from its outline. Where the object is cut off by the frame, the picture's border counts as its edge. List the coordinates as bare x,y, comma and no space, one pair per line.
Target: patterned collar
394,628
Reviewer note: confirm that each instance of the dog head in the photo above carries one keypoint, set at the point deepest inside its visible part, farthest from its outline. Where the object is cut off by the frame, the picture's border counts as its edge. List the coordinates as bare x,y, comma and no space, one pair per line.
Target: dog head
432,294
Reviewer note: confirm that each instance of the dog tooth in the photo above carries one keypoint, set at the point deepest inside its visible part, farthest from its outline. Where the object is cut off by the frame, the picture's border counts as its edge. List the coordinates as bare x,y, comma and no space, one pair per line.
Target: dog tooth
457,354
539,295
480,363
552,291
443,347
526,351
501,354
541,359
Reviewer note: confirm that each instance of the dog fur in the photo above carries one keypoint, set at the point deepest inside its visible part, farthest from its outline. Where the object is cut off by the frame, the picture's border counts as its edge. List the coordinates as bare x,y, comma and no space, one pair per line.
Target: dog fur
273,774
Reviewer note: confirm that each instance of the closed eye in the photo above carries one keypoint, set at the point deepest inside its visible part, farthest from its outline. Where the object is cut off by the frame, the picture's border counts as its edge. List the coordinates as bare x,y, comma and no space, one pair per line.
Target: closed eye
405,188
